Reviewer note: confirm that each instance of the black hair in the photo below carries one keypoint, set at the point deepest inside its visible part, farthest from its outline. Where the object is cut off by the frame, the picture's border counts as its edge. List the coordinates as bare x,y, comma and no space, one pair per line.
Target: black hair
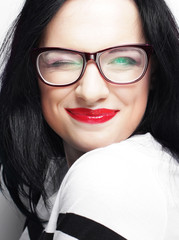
28,145
162,114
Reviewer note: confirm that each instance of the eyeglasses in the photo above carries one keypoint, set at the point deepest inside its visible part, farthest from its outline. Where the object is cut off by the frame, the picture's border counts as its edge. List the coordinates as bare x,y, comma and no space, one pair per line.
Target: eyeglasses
120,65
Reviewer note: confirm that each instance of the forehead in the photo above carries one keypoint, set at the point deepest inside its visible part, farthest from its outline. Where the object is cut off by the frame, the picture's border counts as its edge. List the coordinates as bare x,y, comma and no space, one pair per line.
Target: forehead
91,25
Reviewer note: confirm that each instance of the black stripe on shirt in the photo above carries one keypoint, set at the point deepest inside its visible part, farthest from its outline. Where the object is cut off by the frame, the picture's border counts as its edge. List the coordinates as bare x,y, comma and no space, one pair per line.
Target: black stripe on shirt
83,228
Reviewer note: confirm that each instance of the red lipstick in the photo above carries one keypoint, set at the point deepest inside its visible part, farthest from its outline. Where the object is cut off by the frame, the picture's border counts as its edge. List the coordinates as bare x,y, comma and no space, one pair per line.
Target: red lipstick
92,116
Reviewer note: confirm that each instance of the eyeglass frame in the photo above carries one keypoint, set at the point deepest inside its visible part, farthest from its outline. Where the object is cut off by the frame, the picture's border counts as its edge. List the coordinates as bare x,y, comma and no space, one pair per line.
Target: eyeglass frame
87,56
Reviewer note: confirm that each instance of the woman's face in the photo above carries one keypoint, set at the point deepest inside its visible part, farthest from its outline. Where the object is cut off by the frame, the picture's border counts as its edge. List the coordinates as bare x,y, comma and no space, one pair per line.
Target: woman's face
90,26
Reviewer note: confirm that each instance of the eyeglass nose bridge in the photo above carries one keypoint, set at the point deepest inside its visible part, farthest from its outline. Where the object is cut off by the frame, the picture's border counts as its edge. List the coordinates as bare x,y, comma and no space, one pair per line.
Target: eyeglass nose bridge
94,58
90,56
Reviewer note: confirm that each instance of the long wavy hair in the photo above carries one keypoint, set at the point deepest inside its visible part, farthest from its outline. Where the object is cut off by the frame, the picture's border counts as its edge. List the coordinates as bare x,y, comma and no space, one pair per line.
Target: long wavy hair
27,144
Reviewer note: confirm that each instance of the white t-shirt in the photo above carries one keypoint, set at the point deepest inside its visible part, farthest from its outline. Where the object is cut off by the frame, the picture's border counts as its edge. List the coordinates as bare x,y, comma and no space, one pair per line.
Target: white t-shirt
128,190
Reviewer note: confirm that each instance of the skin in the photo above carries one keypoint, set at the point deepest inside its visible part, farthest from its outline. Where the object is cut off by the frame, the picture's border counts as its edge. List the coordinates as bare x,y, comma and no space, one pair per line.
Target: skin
90,26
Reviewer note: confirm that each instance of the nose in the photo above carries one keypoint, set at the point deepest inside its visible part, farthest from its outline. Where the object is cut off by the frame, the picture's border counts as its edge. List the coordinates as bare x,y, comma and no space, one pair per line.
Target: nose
92,87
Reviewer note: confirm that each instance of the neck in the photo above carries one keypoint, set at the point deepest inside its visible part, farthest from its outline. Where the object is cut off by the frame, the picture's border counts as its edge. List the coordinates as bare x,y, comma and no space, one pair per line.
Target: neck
71,153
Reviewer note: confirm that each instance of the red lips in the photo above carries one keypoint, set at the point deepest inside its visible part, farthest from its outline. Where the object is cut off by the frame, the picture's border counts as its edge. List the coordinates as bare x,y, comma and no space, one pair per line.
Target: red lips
92,116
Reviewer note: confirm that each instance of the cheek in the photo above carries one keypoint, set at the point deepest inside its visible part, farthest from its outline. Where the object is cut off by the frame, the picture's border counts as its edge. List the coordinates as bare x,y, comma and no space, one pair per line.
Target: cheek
52,100
133,99
140,99
132,95
49,99
52,96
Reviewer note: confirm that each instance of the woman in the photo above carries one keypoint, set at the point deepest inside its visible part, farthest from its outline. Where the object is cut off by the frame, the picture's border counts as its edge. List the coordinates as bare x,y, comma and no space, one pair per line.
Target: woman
103,72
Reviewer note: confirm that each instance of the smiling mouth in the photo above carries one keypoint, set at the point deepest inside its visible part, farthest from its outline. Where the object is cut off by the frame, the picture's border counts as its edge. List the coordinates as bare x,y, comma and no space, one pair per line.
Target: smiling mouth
91,116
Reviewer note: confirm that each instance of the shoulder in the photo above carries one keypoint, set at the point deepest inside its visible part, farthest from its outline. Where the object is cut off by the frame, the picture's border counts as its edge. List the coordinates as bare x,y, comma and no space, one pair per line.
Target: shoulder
127,184
137,151
140,162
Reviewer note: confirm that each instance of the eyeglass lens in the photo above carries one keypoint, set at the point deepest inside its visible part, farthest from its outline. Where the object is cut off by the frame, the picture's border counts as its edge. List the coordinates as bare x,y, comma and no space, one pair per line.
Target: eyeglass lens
119,65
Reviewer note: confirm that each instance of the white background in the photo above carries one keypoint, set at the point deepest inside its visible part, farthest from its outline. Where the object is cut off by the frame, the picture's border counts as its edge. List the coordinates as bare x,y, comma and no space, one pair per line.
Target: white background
9,215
